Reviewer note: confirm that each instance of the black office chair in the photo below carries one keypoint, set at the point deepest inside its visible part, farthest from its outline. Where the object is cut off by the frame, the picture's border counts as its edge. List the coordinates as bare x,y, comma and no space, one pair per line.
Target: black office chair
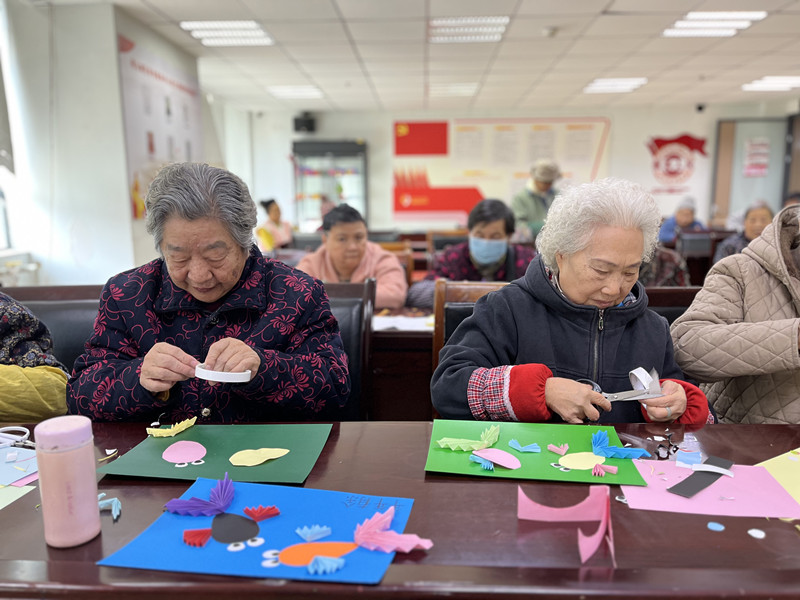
70,323
353,305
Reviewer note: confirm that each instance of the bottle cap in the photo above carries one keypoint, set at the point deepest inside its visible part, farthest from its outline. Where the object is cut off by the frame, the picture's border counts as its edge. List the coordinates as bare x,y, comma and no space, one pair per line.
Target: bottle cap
63,433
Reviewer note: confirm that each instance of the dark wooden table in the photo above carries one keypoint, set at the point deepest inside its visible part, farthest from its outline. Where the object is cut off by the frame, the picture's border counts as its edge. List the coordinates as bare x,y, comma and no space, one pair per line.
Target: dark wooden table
480,548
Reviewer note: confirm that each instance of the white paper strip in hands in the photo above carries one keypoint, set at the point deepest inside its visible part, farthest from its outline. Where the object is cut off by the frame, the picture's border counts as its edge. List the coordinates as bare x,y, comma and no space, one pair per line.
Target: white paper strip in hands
222,376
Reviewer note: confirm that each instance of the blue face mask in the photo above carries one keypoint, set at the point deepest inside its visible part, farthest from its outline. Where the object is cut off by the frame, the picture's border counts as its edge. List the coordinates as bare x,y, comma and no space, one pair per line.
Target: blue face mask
487,252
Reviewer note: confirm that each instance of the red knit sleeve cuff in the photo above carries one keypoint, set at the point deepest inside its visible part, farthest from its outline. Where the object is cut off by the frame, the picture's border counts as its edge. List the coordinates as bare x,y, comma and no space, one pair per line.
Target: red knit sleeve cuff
526,392
696,412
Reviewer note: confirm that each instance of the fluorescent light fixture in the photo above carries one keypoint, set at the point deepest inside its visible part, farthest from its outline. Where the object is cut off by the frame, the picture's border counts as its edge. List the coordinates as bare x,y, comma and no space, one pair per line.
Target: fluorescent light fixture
462,30
240,33
712,24
773,83
236,41
614,85
467,21
699,32
452,89
749,15
464,39
192,25
294,92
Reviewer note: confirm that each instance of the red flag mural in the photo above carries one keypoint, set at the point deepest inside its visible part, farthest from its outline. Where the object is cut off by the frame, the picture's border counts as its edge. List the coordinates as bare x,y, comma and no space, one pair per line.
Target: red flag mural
673,159
412,192
420,138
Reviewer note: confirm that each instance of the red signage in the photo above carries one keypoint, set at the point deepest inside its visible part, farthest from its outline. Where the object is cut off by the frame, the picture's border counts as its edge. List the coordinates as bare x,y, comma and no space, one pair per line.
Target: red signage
420,138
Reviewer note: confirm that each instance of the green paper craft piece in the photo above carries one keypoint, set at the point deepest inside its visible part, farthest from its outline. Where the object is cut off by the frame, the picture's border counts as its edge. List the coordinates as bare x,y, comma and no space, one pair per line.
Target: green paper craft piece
534,465
304,442
488,438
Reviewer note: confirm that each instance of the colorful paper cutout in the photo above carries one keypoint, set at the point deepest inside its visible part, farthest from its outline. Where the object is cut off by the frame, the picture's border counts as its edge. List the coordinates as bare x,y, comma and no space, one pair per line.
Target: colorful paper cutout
785,468
602,447
353,518
9,494
520,448
533,465
580,460
488,438
184,453
596,507
172,430
562,449
600,470
754,491
486,464
499,457
313,533
713,468
304,442
253,457
112,504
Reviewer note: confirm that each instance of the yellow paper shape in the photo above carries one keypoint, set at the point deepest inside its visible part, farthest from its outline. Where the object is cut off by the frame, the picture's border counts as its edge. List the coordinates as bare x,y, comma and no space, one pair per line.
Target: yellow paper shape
581,461
173,430
252,457
785,468
489,437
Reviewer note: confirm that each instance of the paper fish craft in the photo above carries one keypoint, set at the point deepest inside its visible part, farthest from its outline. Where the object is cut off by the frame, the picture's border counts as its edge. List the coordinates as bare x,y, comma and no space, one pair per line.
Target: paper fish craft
236,531
184,453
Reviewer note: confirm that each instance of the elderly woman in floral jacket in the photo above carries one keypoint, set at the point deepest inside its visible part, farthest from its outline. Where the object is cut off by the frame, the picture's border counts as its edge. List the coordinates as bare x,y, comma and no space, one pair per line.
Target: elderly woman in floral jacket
213,299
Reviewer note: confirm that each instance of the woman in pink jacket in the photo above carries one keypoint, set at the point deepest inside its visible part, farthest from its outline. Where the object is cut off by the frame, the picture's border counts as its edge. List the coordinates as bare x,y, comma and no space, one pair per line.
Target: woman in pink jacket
346,256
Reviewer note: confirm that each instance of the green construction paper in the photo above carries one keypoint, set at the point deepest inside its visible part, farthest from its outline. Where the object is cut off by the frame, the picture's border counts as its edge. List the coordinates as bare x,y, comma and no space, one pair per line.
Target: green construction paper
535,465
304,441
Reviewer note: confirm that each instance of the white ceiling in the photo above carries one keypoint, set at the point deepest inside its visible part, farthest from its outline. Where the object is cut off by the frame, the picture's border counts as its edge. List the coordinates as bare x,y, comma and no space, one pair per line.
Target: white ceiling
374,54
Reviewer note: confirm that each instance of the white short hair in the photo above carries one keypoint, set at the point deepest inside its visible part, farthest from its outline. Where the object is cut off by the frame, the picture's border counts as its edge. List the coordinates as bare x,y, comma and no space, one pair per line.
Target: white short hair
579,210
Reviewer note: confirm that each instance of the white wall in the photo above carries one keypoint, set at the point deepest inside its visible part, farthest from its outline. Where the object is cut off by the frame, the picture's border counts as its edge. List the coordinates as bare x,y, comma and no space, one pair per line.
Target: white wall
70,208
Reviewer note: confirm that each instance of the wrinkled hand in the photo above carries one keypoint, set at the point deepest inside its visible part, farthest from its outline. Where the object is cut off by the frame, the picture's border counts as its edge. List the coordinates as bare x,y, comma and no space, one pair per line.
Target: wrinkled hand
574,401
668,407
163,366
233,356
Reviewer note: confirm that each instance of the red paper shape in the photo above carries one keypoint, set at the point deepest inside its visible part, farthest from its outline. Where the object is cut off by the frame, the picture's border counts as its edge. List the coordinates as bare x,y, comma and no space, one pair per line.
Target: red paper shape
196,538
262,513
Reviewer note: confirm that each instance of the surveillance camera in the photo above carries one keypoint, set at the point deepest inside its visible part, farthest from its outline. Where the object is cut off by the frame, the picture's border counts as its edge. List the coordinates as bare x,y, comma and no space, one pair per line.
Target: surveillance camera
700,107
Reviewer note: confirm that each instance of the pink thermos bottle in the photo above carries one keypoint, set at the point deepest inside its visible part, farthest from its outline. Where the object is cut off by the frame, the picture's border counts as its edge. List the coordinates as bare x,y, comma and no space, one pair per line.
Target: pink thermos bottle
67,480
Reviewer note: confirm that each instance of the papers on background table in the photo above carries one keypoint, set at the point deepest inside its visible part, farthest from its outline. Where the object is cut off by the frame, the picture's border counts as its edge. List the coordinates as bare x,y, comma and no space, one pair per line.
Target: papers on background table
16,464
402,323
785,468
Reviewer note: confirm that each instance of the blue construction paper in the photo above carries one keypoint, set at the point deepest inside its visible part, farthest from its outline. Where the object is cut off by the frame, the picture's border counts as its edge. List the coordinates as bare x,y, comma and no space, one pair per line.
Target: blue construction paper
520,448
26,459
601,447
161,547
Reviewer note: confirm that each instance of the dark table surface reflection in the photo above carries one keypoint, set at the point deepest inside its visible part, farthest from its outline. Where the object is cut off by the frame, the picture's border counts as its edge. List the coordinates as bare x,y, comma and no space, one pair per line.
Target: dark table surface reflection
480,548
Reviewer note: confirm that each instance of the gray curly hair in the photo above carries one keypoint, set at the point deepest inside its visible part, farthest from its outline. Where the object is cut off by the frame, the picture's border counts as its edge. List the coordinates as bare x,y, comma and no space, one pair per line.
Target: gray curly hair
195,191
579,210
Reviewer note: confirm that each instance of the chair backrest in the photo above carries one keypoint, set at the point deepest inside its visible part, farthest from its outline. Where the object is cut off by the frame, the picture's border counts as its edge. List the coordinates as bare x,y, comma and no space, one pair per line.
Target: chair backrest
671,302
694,243
441,239
402,250
306,241
353,305
386,235
453,302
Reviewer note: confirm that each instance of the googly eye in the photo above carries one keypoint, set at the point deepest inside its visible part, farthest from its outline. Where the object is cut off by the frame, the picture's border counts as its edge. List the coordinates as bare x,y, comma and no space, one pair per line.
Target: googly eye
198,462
270,563
270,554
255,542
555,465
181,465
564,469
236,547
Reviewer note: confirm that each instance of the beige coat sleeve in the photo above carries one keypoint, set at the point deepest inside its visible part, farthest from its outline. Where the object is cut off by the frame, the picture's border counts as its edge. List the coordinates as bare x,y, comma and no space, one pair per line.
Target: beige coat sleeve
734,329
32,394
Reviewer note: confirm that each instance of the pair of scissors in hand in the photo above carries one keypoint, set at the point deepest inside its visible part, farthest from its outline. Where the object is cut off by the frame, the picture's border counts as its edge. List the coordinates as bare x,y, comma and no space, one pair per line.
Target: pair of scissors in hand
645,386
15,436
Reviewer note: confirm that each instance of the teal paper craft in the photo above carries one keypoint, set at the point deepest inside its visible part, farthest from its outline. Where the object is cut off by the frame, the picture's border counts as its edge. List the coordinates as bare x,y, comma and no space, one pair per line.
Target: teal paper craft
533,465
486,464
520,448
601,447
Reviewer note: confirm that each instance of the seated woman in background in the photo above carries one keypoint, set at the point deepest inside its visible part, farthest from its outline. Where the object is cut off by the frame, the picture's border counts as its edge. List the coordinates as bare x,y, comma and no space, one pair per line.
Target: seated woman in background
487,256
740,336
667,268
346,256
682,221
279,233
578,314
32,381
756,217
213,299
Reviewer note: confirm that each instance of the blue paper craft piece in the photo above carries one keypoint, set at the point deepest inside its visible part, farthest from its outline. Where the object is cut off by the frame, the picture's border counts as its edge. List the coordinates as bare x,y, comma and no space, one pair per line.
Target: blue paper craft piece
688,458
323,565
486,464
218,501
529,448
112,504
161,546
23,466
600,447
313,533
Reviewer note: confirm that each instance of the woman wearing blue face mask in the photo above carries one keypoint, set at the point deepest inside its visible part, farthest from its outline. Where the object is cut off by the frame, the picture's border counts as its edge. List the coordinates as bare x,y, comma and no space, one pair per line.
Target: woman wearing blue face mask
487,256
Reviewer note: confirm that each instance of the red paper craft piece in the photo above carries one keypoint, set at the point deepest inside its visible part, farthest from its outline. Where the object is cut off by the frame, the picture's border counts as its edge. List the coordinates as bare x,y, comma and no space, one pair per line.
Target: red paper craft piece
196,538
262,512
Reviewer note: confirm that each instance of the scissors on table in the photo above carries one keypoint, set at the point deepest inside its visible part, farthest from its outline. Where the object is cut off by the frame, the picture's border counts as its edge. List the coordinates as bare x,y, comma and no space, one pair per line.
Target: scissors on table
15,436
645,386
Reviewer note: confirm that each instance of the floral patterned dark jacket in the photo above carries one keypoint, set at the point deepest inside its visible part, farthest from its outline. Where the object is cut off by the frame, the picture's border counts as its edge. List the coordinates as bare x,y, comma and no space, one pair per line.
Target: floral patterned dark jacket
282,313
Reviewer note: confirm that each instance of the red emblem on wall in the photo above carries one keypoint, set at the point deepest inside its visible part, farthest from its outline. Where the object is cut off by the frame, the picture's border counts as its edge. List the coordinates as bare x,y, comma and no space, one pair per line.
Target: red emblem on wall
673,159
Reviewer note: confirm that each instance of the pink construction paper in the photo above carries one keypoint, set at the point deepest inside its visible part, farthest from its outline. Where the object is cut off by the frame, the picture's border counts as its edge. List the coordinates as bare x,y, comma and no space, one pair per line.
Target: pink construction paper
28,479
596,507
751,492
499,457
185,451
